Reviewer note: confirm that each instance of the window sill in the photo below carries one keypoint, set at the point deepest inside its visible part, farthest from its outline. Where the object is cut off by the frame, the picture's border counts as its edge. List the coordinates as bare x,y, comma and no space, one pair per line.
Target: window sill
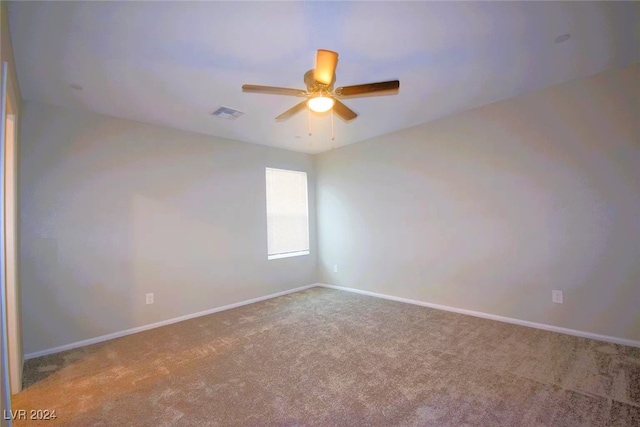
288,255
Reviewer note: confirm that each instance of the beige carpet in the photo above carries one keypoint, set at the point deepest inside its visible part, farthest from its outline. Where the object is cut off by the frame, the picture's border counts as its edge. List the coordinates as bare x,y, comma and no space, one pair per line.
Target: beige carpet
330,358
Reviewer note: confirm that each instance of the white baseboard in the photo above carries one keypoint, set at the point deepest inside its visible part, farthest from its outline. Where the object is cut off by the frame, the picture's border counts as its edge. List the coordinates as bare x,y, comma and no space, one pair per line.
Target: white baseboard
544,326
159,324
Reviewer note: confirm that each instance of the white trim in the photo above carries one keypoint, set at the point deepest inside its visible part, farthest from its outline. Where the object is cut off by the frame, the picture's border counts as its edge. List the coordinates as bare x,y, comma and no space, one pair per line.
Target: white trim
4,341
287,255
159,324
583,334
543,326
14,335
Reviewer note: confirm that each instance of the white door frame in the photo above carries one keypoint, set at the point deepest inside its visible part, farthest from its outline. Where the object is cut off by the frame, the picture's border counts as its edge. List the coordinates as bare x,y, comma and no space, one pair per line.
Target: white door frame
14,336
4,365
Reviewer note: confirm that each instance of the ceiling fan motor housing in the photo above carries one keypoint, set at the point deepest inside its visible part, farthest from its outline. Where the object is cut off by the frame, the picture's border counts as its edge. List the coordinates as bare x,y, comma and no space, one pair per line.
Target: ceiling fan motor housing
313,86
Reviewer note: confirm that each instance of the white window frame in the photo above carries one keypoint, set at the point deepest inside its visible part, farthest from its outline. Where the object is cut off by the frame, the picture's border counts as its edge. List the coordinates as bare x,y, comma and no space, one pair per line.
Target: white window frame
294,253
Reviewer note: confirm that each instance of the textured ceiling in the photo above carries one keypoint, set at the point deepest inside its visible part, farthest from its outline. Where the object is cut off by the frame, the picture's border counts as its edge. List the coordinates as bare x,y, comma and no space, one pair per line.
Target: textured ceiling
173,63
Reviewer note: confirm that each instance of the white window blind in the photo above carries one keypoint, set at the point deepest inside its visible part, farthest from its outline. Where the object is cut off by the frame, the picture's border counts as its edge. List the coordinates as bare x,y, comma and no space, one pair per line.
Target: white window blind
287,213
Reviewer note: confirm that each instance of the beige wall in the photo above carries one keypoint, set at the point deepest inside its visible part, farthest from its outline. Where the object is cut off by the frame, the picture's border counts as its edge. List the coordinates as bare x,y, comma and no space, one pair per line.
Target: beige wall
491,209
114,209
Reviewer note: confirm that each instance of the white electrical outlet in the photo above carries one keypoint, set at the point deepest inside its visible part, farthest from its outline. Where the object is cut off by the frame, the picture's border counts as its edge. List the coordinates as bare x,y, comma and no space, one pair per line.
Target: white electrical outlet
556,296
335,268
149,298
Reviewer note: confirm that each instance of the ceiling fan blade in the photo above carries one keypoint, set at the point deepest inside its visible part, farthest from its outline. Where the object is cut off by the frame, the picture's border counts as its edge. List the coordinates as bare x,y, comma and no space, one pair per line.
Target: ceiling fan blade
343,111
292,111
326,62
368,88
274,90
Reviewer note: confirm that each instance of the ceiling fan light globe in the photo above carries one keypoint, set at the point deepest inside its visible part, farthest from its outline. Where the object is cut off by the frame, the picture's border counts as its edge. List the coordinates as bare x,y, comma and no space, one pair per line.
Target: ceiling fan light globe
320,104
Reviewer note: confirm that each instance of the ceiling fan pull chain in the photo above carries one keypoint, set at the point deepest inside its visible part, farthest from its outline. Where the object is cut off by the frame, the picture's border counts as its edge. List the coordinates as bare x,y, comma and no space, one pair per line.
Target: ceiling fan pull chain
332,135
309,111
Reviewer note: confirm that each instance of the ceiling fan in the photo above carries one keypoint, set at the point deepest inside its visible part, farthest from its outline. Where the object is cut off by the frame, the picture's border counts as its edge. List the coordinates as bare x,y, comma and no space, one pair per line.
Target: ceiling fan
321,96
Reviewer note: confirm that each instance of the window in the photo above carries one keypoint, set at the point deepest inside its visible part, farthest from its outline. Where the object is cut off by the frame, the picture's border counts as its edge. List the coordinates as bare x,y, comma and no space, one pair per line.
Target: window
287,213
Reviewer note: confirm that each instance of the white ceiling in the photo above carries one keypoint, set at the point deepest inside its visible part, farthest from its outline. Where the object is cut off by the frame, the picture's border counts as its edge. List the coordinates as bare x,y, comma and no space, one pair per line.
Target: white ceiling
173,63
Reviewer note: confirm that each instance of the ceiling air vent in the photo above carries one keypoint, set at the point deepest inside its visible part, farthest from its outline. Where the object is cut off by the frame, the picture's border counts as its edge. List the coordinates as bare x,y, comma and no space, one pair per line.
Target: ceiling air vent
227,113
